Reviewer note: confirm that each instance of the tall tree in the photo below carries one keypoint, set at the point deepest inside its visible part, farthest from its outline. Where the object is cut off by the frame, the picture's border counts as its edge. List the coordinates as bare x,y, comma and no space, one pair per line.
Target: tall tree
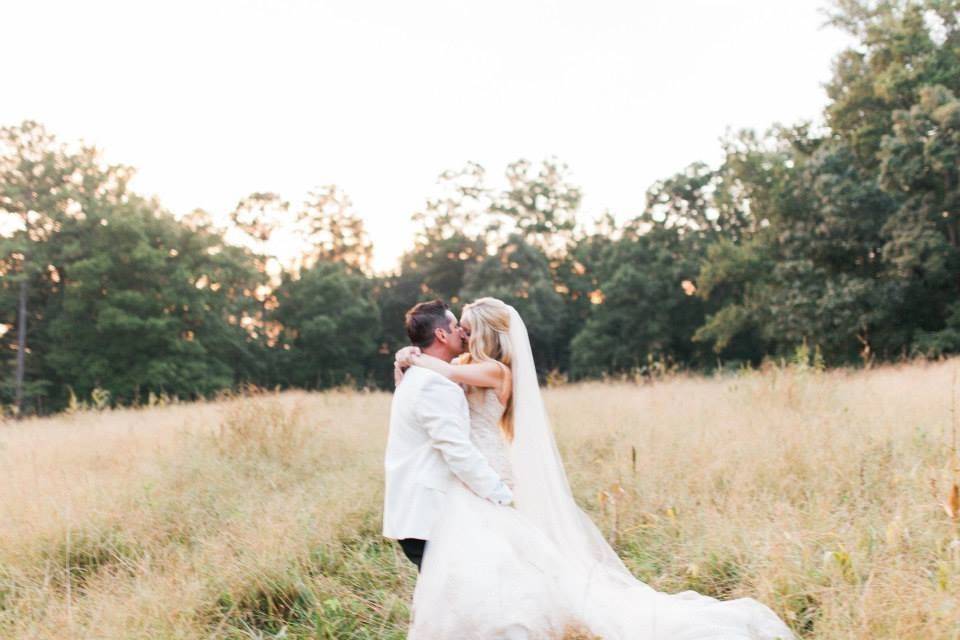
149,305
540,204
642,311
902,45
455,230
333,232
331,327
43,185
808,268
921,167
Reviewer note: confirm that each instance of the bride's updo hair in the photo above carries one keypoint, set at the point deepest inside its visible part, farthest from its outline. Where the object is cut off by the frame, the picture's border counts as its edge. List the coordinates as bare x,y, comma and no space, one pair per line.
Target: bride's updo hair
489,321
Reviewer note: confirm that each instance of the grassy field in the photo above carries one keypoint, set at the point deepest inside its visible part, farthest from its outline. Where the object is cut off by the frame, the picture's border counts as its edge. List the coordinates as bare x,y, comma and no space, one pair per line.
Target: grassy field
820,494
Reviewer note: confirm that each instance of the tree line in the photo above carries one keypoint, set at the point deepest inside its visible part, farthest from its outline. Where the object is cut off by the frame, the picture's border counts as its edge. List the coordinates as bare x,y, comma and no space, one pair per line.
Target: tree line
840,239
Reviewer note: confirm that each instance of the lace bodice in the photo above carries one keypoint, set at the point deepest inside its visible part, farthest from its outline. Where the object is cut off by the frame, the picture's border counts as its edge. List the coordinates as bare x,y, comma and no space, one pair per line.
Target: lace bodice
485,413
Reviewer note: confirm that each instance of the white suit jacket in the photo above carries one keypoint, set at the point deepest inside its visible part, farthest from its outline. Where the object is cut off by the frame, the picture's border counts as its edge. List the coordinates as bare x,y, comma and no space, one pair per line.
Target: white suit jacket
428,448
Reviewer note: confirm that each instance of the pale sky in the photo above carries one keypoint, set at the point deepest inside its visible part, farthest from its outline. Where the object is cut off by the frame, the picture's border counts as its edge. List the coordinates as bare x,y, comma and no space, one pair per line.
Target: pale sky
213,100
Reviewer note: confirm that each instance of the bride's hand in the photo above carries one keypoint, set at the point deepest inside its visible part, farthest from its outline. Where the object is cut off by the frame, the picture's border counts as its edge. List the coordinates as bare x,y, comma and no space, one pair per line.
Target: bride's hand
404,357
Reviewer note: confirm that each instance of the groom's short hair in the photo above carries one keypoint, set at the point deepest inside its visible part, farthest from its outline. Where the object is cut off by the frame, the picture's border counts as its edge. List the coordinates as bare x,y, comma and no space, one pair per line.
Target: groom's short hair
423,319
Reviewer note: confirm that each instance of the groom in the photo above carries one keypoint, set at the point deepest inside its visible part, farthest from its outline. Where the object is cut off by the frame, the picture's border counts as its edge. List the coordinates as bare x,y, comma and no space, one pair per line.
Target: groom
429,444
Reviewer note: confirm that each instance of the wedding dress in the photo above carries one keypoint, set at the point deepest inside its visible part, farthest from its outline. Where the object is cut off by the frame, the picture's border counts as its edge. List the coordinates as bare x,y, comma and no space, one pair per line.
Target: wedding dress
543,570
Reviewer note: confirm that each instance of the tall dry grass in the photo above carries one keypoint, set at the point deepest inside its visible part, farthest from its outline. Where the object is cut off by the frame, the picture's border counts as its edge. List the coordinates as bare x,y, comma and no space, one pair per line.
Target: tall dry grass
826,496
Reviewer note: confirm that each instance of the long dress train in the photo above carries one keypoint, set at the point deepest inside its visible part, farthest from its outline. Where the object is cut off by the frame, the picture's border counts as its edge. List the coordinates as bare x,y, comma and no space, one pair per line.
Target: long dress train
492,572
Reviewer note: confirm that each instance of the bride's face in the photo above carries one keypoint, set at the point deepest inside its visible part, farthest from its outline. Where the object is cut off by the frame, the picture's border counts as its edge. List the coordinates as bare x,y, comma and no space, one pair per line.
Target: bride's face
465,330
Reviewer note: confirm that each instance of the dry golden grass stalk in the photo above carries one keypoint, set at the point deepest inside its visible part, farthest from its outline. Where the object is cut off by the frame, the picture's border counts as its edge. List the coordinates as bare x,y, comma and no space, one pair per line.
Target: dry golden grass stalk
154,523
952,503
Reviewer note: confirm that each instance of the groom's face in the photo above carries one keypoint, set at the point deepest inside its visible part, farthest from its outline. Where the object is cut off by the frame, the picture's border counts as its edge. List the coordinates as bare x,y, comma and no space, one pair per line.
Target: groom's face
453,335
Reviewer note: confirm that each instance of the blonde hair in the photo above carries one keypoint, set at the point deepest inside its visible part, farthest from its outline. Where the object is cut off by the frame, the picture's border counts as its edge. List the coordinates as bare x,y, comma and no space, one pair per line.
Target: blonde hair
489,321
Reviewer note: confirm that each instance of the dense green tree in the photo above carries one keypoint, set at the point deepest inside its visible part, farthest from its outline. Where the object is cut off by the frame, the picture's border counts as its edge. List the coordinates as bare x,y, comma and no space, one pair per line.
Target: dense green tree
809,270
921,167
578,276
147,307
902,45
331,327
44,185
642,312
644,308
741,273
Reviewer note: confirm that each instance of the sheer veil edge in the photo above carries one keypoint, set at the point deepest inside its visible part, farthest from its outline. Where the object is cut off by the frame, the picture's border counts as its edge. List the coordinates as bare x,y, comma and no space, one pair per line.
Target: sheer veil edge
542,492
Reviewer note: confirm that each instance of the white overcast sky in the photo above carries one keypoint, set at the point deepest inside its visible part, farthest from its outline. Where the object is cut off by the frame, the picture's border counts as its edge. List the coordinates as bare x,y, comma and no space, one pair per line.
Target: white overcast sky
213,100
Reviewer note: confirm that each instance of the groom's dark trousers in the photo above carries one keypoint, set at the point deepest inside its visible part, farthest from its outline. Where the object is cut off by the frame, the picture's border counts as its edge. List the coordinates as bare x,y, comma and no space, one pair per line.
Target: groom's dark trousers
413,549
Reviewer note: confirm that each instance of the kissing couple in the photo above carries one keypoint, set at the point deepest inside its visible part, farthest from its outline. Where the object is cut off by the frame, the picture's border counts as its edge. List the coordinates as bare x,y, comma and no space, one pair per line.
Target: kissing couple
477,497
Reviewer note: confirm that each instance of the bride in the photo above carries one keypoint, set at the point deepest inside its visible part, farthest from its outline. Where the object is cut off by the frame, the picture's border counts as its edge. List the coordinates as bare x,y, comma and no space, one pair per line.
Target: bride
542,569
